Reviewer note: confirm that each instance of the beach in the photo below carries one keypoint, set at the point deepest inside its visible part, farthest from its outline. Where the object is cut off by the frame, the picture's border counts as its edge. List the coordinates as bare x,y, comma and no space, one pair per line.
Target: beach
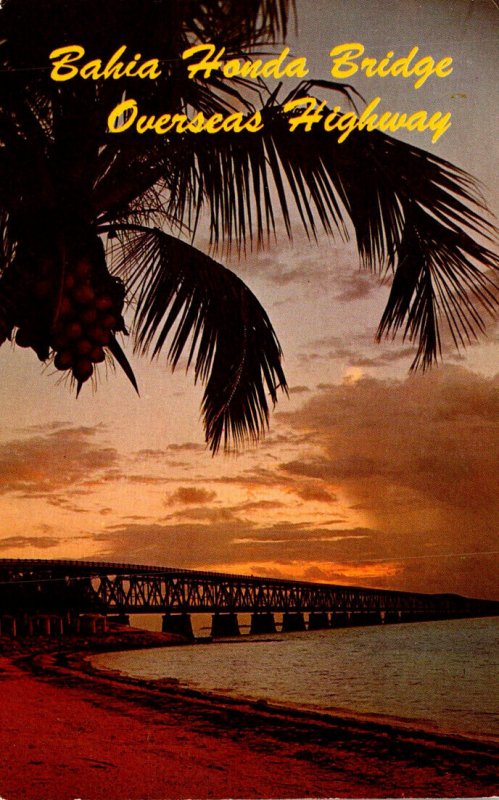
70,732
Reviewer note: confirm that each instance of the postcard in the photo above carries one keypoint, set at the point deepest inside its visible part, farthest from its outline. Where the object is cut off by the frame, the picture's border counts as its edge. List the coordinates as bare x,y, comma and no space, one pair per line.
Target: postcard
248,480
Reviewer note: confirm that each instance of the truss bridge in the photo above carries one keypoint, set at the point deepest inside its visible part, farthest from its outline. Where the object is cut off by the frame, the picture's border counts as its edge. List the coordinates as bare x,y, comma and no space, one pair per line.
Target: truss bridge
70,590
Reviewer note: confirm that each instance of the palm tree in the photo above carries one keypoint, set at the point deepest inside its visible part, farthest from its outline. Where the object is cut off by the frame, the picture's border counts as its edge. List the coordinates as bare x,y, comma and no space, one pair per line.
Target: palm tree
68,187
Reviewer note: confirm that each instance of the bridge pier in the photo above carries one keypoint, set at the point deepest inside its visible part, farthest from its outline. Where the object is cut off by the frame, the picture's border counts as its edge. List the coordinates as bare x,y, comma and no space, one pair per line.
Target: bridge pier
224,625
391,617
318,620
28,623
91,624
340,619
293,621
8,625
365,618
48,624
262,622
180,624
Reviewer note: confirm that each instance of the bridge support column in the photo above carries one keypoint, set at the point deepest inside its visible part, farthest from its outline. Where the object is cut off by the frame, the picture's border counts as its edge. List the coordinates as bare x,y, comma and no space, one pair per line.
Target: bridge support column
293,621
391,617
91,624
340,619
9,626
180,624
318,620
365,618
52,625
262,622
45,624
224,625
26,626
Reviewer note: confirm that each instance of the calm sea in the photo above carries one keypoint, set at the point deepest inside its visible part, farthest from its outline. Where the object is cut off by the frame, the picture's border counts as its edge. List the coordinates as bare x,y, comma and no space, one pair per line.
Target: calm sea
443,675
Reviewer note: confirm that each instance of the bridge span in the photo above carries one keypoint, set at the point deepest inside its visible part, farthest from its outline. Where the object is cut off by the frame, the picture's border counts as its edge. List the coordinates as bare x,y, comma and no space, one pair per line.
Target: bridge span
70,590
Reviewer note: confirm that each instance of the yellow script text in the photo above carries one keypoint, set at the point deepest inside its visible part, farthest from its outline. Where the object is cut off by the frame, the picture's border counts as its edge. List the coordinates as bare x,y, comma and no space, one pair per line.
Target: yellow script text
346,55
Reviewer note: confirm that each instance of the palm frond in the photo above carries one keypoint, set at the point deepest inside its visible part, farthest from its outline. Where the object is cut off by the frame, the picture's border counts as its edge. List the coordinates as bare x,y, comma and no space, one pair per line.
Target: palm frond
412,213
436,279
253,21
215,320
117,352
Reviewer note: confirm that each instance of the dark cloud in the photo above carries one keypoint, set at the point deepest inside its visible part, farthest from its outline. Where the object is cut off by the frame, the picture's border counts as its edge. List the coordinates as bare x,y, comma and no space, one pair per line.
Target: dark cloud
150,454
314,492
431,433
191,495
204,514
157,456
49,426
420,456
203,544
298,389
147,480
384,357
261,505
357,287
22,542
187,447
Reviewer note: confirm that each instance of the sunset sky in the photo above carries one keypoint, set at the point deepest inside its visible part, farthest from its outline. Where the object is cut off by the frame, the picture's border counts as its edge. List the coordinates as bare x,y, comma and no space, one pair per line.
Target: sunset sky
368,475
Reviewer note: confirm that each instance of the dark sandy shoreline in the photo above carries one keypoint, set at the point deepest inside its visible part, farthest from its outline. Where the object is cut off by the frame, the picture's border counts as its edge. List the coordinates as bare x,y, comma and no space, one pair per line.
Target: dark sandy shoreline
161,740
333,715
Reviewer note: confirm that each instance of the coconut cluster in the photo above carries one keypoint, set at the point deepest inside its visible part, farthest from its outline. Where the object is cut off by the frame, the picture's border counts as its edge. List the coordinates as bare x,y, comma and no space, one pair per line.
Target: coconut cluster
70,317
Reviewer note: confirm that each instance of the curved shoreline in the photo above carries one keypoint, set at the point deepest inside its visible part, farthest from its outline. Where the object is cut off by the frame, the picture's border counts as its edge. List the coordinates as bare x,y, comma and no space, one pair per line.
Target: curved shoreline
336,715
415,728
263,749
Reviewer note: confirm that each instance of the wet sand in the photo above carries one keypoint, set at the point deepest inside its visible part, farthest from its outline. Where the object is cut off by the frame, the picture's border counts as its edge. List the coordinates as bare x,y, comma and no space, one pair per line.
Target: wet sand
67,732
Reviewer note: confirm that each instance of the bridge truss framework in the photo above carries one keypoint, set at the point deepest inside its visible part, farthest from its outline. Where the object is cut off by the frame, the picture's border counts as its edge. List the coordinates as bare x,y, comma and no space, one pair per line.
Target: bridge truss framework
86,587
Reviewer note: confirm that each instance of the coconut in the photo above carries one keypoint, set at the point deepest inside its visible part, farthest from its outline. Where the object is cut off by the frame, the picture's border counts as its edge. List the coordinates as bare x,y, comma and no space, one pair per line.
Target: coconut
63,360
83,370
104,303
97,355
73,330
83,294
24,337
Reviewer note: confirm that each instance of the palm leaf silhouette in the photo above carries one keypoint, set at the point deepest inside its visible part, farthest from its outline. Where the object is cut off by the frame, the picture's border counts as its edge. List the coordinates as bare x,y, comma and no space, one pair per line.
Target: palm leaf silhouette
216,318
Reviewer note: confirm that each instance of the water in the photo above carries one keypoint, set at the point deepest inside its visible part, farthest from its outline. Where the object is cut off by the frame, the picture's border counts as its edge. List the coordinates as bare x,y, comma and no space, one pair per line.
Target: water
442,675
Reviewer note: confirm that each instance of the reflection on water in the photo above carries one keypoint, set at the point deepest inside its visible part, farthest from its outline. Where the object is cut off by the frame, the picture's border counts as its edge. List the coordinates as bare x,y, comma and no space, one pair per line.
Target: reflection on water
442,674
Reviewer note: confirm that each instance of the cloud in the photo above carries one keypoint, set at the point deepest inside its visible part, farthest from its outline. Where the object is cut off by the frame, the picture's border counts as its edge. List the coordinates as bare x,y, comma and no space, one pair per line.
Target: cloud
188,495
356,351
261,505
204,514
419,456
23,542
203,543
298,389
357,287
314,492
61,459
187,447
386,357
352,573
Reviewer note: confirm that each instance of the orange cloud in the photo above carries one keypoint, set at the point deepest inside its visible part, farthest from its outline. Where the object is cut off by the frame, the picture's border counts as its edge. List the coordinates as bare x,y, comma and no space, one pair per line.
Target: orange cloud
420,458
61,459
191,495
